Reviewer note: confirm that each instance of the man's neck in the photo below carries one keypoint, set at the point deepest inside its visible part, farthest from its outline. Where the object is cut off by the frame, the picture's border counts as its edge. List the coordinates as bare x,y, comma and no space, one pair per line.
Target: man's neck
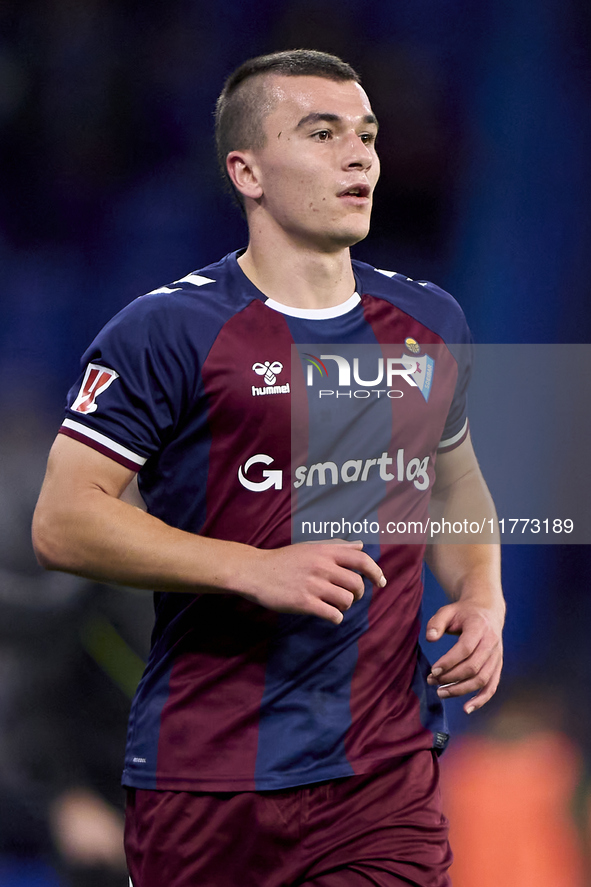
299,277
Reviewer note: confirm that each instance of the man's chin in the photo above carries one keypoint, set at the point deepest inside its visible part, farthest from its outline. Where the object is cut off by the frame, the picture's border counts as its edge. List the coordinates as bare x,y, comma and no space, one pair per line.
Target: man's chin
338,239
351,234
353,237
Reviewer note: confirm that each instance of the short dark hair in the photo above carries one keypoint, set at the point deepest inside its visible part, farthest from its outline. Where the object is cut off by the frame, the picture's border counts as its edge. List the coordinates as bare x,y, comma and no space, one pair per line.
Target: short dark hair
244,101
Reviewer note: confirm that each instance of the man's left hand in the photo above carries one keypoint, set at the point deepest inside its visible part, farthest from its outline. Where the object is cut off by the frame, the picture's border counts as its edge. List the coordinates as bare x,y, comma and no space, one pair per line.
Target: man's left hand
474,663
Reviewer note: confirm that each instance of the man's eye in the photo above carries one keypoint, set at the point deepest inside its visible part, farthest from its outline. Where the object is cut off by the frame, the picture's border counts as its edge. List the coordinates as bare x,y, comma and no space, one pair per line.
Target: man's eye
322,135
368,138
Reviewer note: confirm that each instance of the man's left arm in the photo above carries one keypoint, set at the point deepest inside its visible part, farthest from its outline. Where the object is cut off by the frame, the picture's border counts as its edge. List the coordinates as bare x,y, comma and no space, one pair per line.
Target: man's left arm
470,574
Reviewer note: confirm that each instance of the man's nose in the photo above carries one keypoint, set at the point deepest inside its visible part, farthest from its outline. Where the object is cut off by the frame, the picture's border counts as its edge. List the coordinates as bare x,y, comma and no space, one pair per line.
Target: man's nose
358,154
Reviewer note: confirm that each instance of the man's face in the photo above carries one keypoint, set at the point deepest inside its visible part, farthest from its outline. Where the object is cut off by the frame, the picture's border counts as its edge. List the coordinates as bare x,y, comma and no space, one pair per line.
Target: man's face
318,167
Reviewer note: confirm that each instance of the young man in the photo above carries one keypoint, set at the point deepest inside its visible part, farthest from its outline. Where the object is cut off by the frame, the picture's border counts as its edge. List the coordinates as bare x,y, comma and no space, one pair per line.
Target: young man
284,730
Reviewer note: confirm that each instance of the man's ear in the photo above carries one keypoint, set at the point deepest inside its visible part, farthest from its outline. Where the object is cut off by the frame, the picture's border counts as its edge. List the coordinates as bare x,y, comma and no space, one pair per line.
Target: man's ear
244,173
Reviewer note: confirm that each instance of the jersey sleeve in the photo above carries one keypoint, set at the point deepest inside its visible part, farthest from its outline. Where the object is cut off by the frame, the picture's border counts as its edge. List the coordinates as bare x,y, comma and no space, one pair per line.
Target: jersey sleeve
132,387
458,339
456,425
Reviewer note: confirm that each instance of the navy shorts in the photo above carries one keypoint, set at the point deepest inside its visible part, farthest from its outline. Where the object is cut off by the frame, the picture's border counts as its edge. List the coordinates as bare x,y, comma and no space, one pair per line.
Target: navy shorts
384,829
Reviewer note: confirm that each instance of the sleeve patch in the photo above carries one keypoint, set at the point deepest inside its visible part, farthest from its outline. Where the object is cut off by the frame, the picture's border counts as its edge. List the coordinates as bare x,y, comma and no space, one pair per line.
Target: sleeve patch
96,380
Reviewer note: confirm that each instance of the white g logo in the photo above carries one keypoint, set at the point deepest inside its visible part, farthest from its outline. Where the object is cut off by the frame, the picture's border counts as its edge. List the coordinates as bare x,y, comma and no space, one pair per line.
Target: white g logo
273,478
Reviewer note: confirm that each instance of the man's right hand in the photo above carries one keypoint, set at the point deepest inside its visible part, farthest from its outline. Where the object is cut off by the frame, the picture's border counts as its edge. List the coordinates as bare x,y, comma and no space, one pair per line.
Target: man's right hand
314,578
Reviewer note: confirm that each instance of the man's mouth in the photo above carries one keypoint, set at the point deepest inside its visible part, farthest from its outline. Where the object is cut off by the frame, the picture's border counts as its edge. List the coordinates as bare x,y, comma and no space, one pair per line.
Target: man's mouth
356,191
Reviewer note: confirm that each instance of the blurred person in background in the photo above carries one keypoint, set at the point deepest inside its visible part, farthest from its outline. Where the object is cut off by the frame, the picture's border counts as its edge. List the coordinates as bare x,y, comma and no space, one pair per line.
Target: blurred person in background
71,654
241,715
517,795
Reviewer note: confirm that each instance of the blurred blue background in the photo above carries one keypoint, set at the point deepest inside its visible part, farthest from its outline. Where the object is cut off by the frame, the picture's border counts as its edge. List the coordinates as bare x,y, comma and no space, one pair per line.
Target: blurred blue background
109,188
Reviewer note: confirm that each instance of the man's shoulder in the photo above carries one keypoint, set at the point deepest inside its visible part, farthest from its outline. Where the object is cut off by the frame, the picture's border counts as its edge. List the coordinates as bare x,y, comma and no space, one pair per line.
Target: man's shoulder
216,287
397,287
421,299
188,312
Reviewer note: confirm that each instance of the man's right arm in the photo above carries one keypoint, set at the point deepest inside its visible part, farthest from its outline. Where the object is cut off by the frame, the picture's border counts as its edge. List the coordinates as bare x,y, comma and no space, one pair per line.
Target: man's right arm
82,526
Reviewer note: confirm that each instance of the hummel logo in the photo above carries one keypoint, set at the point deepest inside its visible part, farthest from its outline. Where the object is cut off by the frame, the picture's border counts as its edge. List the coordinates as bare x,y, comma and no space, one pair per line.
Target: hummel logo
269,371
